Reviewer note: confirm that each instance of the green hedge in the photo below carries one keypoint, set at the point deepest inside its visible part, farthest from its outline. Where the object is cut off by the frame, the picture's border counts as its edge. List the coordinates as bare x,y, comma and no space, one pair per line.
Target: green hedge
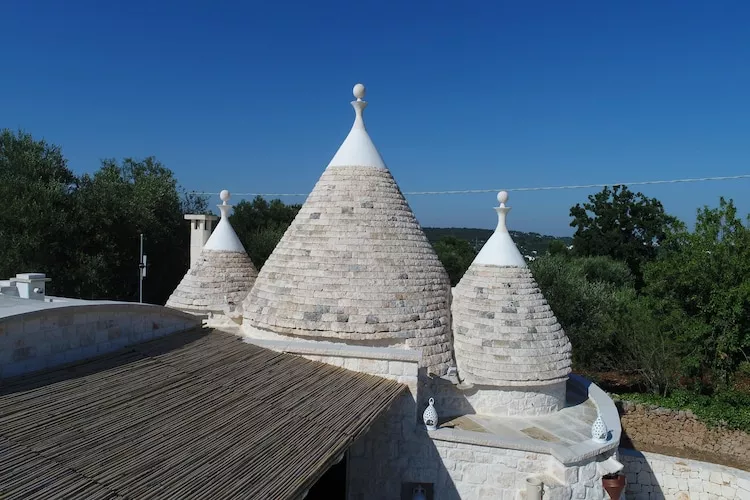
728,408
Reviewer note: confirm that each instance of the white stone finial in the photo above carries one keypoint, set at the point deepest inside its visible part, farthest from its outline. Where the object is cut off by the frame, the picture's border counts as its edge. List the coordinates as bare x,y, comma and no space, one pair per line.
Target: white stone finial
359,91
224,195
500,249
502,211
357,149
502,197
224,207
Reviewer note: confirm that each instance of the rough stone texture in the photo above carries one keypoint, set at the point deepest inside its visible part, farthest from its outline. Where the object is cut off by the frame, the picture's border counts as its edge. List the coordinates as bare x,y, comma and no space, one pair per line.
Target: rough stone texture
397,450
48,338
218,280
500,401
356,265
651,476
505,333
666,430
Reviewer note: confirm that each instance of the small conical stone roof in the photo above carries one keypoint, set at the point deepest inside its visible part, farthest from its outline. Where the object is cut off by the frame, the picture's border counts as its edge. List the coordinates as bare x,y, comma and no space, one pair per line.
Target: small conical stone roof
355,263
505,333
223,274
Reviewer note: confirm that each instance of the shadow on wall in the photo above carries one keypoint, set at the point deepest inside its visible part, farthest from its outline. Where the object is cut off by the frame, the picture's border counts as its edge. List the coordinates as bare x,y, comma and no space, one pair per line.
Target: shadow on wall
396,456
642,482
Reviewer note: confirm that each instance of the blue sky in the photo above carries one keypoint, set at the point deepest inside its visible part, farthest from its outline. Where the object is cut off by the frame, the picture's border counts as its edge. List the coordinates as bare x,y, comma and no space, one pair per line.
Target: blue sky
254,96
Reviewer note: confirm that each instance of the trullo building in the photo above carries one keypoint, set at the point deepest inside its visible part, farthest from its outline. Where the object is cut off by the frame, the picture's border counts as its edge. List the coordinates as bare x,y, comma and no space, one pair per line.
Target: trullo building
509,345
220,279
354,283
355,265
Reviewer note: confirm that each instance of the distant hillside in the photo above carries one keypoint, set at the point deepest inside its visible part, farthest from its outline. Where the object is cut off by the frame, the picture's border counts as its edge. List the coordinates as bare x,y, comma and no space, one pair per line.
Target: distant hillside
528,243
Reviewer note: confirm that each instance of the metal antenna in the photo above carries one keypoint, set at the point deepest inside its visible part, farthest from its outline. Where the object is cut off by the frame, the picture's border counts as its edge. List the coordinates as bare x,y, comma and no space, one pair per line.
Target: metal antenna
141,271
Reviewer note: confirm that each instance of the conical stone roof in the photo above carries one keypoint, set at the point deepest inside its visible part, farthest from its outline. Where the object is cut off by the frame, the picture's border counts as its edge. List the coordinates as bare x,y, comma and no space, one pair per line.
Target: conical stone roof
222,275
505,333
355,263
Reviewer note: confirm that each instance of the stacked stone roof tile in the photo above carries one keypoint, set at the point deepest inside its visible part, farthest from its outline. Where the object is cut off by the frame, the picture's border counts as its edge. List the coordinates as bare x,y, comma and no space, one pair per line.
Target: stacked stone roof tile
355,264
221,277
505,333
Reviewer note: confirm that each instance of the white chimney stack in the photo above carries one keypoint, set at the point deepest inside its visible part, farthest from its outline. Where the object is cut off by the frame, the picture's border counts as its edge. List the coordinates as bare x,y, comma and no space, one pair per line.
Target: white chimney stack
200,230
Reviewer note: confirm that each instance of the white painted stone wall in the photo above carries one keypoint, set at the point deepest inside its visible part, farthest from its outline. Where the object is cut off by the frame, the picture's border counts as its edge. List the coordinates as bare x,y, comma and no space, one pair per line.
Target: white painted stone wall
397,449
651,476
51,337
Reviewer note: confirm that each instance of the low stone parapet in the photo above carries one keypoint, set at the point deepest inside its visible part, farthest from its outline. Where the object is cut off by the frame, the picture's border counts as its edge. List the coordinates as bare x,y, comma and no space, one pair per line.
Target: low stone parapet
52,336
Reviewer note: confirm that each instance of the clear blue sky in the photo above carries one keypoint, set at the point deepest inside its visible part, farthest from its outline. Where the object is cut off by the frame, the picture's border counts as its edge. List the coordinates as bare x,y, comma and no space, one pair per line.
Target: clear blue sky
254,96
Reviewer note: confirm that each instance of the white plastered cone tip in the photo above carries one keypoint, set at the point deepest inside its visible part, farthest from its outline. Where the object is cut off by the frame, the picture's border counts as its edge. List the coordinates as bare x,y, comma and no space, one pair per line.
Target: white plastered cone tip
223,237
358,150
500,250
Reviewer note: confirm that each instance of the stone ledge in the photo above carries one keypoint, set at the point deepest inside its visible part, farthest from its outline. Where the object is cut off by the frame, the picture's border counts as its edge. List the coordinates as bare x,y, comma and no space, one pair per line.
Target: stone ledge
567,455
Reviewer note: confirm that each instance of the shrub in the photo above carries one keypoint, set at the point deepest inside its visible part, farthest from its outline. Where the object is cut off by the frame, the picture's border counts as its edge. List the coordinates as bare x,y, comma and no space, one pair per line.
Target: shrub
730,409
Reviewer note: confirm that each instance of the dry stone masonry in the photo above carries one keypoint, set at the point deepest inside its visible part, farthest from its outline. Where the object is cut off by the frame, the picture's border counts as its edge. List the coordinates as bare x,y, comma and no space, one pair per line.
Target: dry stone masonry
219,278
505,334
355,264
223,274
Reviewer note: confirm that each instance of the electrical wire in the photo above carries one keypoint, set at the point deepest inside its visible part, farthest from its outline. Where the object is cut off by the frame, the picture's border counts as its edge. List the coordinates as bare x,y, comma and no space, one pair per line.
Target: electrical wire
540,188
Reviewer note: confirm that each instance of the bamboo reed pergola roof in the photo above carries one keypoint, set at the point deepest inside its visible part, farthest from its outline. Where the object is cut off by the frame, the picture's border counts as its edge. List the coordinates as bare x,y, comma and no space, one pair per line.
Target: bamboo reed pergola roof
193,415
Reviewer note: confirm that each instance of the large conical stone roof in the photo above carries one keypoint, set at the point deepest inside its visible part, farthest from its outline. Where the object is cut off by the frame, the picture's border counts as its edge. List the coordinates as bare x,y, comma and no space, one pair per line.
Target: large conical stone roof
223,274
355,263
505,333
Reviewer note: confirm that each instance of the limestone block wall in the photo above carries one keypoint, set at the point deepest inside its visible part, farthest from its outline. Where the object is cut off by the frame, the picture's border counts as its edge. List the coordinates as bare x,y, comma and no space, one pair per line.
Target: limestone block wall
500,401
51,337
396,452
671,431
651,476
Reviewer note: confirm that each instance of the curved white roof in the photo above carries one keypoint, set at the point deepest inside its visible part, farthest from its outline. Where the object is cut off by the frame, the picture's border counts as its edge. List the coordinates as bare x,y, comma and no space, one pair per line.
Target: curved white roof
500,250
223,237
358,150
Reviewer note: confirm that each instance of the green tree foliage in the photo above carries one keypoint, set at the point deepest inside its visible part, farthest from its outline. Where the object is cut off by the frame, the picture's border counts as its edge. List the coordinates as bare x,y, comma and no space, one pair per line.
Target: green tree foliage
611,327
38,220
84,231
557,247
456,255
702,280
120,201
260,225
582,301
621,224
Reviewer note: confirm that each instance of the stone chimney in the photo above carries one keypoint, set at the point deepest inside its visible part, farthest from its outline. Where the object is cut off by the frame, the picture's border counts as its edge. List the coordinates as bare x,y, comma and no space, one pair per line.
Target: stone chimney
200,231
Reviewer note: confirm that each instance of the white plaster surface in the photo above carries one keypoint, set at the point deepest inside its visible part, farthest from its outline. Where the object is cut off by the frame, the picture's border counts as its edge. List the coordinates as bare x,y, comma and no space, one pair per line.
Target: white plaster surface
358,150
200,231
651,476
224,238
500,249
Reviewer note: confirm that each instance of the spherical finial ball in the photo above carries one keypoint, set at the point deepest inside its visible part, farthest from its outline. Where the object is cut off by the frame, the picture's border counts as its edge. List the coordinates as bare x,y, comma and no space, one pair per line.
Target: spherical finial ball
359,91
224,195
502,197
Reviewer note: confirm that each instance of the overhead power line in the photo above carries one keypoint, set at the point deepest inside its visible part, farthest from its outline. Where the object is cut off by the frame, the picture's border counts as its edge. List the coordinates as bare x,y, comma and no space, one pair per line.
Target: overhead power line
539,188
